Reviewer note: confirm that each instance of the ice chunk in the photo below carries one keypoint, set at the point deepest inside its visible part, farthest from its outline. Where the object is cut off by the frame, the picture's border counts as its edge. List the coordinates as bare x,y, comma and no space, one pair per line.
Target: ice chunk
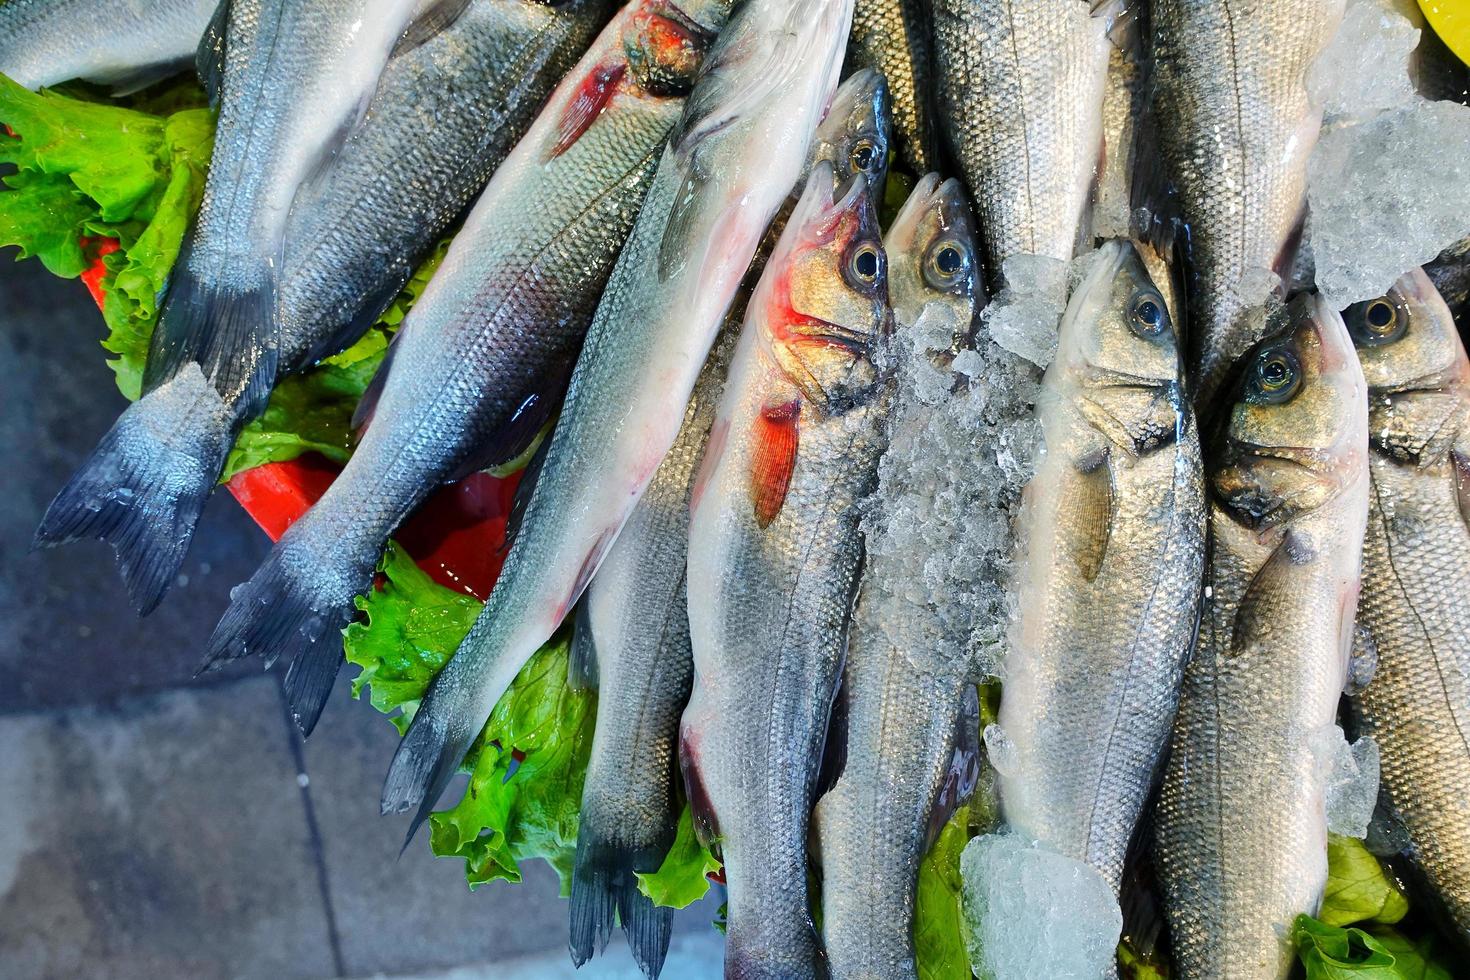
1034,914
1387,195
1350,780
1023,318
1000,750
1365,69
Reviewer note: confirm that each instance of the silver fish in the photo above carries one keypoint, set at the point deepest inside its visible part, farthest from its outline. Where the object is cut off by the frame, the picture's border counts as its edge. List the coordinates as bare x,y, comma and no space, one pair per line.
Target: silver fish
774,548
1241,835
892,36
1020,93
1235,127
732,160
633,624
125,44
1416,575
216,349
1112,530
907,665
476,368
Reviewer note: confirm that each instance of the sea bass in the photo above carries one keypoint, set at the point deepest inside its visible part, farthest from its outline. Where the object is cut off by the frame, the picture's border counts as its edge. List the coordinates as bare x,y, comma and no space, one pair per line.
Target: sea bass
892,36
1020,93
215,352
1241,836
1112,530
1235,128
732,160
633,623
477,367
1416,575
774,549
907,665
125,44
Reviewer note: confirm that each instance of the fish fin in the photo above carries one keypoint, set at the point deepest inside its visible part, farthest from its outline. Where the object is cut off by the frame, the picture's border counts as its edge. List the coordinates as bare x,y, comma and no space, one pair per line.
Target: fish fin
362,415
605,889
230,333
1088,485
429,21
701,806
144,486
582,671
522,499
1362,660
512,439
677,231
209,59
1462,483
1262,596
834,746
773,461
1138,893
963,773
296,605
135,79
592,96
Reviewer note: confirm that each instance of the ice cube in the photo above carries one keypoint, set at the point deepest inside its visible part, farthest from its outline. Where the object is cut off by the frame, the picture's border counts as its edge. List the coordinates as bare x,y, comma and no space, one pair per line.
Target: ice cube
1365,69
1350,780
1033,914
1000,750
1023,318
1387,195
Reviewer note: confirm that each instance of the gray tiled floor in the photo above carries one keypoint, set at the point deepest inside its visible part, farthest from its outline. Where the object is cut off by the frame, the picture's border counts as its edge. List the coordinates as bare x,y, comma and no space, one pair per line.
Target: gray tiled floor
151,825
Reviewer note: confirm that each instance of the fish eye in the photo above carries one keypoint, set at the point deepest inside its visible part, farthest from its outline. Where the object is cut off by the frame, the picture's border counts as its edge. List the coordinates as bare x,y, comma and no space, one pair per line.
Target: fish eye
1376,322
865,263
1276,376
863,155
948,262
1146,315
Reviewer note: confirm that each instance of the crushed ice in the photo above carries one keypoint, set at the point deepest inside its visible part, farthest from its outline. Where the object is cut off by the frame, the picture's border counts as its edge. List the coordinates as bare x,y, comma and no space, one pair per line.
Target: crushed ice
1033,914
1023,316
1350,780
1389,181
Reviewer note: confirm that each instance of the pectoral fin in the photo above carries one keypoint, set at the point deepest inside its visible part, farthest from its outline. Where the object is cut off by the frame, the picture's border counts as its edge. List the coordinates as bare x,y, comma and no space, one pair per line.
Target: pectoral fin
1087,503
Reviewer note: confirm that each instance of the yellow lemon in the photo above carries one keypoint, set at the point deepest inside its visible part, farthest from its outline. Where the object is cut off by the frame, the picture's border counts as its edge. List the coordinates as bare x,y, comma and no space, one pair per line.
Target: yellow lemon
1451,21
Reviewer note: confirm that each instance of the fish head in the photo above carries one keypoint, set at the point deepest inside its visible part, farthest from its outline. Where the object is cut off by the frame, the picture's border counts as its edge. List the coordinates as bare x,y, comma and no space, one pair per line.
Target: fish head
857,131
932,257
665,45
824,297
1414,363
1291,440
1118,354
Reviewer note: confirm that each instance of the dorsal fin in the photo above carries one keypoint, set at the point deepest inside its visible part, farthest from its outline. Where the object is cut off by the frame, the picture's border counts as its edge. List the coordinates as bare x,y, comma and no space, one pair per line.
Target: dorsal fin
430,20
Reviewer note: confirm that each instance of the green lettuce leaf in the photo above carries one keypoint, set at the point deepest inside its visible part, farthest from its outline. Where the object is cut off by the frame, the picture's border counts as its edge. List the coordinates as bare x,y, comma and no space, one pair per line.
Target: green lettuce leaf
683,878
1358,888
939,943
1339,953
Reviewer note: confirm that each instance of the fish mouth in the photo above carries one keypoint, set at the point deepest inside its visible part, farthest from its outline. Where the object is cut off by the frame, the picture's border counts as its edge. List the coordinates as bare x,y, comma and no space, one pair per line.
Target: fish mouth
1315,461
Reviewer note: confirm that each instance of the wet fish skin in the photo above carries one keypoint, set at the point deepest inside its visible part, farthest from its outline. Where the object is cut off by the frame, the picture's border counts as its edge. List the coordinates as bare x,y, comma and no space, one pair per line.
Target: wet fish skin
1416,573
120,43
774,548
635,617
1241,835
904,702
1113,529
1020,90
476,368
1235,128
732,158
892,36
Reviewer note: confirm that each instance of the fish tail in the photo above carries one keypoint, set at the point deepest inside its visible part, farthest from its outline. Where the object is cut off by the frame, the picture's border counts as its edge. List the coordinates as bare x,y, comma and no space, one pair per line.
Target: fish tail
295,605
604,883
144,486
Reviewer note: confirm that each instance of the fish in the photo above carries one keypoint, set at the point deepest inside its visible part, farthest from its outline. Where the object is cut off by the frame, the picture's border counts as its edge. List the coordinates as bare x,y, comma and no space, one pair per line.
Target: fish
907,668
892,37
121,44
1020,92
1235,126
1416,573
633,622
214,355
1108,588
475,370
1241,825
732,159
774,555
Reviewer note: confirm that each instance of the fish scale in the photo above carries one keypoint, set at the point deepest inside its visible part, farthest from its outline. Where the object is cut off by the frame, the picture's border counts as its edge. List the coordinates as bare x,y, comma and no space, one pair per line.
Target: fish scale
892,36
1416,573
123,43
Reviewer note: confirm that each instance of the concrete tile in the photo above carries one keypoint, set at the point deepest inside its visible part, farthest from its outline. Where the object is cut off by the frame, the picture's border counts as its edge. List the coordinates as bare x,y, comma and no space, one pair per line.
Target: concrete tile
692,956
416,913
67,634
162,837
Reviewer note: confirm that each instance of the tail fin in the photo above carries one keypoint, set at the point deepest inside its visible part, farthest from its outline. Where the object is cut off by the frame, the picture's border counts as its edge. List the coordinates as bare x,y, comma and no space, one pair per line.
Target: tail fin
603,883
296,605
144,486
